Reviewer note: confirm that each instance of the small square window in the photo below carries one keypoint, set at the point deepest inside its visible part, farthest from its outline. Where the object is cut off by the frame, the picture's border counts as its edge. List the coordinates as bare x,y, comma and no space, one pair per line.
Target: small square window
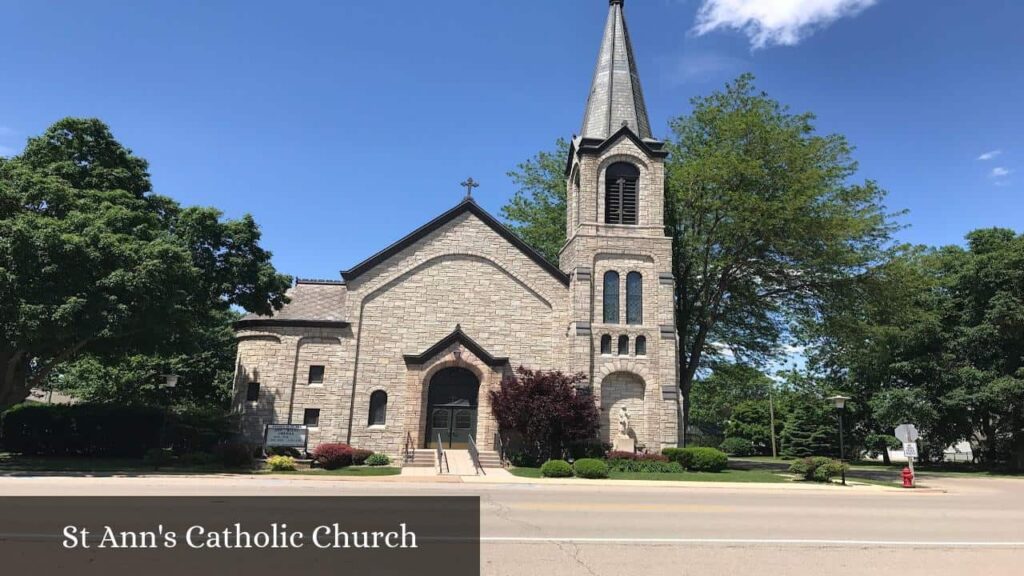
316,374
252,392
311,417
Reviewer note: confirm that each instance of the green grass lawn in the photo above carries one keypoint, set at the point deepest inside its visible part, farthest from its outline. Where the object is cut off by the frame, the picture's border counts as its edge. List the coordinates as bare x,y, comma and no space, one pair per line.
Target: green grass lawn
725,476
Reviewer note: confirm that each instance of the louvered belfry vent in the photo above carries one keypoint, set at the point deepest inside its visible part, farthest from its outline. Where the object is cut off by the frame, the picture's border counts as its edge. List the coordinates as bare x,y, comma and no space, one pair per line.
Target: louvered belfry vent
620,197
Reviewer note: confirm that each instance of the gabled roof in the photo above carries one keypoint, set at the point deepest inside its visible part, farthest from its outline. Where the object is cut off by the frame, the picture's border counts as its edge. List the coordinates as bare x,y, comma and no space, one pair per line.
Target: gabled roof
457,336
466,206
651,147
616,99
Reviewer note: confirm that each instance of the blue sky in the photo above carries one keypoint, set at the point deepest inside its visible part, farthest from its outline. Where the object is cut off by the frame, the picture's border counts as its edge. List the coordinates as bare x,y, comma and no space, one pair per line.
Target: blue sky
344,125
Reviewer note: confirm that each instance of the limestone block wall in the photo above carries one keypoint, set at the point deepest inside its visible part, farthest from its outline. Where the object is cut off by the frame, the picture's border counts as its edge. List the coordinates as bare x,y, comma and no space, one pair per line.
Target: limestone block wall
464,274
279,359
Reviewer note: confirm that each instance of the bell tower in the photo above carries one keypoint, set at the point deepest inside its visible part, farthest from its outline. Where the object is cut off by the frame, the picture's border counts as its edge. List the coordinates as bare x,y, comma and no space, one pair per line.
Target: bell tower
617,253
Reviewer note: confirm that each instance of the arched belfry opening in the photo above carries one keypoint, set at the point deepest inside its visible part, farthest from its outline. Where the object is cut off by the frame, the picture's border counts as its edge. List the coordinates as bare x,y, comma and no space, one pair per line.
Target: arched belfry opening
452,402
621,190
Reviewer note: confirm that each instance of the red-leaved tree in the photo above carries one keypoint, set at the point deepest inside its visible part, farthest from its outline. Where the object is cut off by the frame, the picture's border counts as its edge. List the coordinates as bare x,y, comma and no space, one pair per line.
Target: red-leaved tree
544,412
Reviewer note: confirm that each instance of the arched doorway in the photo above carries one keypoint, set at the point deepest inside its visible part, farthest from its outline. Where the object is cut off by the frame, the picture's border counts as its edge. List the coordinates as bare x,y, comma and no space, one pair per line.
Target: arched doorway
451,408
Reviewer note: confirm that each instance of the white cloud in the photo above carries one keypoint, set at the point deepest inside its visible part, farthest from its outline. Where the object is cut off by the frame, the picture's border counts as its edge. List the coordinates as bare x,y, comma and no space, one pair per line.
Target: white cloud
990,155
1000,172
782,22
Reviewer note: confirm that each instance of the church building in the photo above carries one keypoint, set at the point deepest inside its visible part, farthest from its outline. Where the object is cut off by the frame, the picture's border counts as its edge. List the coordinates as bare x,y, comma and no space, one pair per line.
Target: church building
401,351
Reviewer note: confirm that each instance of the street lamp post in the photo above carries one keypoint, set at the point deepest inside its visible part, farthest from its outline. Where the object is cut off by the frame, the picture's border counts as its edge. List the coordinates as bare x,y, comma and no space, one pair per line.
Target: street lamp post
839,401
170,382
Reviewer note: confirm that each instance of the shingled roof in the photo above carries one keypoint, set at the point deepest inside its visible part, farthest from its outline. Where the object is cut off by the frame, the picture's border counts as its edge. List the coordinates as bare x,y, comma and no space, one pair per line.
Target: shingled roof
314,304
616,99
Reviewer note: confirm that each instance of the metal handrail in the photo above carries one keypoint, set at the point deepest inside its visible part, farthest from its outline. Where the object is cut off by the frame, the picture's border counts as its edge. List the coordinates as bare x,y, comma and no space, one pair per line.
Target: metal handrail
442,458
501,449
474,453
407,452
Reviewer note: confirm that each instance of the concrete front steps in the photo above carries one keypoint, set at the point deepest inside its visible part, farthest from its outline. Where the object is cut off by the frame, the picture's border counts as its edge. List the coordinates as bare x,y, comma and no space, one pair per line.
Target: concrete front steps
459,461
421,458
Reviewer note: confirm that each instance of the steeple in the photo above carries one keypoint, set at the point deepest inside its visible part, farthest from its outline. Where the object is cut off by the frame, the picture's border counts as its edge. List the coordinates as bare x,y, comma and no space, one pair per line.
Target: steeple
615,96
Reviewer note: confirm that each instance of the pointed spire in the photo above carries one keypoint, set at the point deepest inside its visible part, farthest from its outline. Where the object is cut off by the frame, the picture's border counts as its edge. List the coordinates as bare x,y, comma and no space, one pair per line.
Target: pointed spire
616,99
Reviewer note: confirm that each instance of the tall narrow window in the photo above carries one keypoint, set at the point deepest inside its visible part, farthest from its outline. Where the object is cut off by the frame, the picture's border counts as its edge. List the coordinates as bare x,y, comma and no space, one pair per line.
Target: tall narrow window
611,297
634,298
316,374
378,408
620,193
641,346
623,345
606,344
252,392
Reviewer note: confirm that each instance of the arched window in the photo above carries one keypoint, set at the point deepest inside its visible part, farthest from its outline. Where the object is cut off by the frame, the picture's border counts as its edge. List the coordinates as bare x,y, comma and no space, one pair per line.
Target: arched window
378,408
634,298
606,344
611,297
620,193
641,346
623,345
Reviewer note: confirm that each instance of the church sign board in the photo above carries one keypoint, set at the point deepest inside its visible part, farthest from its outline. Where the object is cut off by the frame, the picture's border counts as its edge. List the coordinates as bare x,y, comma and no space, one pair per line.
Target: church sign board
285,436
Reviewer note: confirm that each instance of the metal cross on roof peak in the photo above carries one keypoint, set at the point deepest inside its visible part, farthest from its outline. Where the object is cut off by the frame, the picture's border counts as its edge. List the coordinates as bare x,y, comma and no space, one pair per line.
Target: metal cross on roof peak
469,185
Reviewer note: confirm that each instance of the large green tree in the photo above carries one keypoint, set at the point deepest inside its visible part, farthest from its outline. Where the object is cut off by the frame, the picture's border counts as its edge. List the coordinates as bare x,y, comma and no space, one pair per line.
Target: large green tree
92,261
936,339
765,221
537,210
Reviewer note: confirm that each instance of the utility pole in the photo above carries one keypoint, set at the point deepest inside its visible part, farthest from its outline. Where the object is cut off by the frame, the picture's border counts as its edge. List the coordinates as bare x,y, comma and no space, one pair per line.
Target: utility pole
771,412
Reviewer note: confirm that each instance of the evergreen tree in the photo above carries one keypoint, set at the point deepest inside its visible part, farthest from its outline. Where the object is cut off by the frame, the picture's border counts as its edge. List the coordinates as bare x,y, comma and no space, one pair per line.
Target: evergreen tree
808,432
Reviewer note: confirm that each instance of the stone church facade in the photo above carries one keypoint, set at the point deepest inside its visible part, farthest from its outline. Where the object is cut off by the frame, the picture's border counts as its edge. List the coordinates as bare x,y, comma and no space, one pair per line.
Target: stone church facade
403,349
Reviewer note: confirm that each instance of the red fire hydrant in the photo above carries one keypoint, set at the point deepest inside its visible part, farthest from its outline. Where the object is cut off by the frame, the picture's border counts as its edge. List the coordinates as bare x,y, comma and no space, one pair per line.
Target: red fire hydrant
908,478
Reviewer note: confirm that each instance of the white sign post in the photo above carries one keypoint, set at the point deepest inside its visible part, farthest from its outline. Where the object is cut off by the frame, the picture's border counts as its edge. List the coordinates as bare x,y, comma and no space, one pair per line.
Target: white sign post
907,433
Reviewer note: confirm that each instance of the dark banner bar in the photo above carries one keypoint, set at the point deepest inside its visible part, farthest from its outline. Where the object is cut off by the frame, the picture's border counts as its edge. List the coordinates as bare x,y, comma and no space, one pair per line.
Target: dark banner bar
55,536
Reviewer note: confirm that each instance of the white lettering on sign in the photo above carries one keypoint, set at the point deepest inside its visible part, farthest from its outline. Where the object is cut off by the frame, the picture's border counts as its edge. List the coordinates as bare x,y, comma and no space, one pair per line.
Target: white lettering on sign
285,436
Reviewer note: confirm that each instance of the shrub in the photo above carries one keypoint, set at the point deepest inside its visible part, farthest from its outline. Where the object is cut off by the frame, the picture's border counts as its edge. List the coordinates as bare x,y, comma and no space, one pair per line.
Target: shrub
698,459
235,455
651,463
590,448
97,430
590,468
359,456
737,447
708,460
333,456
378,460
556,469
817,468
281,464
198,459
545,412
157,457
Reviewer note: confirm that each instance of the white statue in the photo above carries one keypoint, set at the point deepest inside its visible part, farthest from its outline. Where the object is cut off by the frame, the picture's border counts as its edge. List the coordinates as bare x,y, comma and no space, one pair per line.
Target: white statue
623,421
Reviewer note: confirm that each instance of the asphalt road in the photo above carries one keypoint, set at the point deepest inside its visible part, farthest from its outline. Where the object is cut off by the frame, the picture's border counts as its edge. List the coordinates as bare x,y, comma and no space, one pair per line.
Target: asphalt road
972,526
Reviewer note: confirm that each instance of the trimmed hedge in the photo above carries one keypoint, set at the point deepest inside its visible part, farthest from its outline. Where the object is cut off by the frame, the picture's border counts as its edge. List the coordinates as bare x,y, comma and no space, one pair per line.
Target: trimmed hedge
109,430
556,469
590,468
698,459
95,430
652,463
